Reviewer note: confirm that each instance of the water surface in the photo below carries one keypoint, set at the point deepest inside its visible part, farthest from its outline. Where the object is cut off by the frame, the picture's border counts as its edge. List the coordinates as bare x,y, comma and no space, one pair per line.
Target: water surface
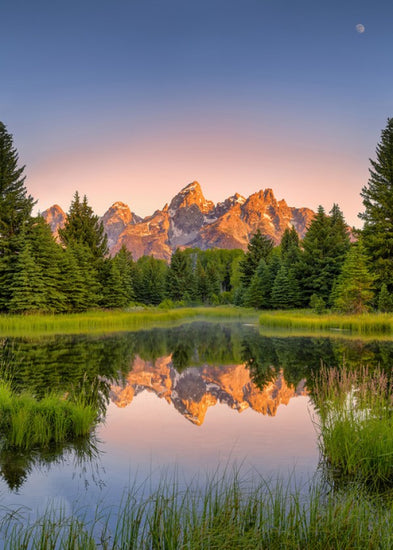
194,399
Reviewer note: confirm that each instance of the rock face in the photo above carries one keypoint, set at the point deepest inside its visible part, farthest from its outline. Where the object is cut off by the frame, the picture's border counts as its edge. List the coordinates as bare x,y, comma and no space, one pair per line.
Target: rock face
192,221
116,219
195,390
55,218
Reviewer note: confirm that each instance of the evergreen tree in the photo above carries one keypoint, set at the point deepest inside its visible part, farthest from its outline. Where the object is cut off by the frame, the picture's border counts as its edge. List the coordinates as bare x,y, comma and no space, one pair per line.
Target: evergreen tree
317,303
325,245
47,255
353,292
201,282
213,282
27,288
290,247
259,247
149,280
258,293
285,290
180,280
15,214
125,264
88,293
378,214
73,284
117,274
385,301
83,227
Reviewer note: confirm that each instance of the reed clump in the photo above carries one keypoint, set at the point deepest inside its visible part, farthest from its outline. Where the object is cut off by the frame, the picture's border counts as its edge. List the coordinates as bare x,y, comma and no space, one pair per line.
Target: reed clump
367,323
223,516
26,422
110,321
356,423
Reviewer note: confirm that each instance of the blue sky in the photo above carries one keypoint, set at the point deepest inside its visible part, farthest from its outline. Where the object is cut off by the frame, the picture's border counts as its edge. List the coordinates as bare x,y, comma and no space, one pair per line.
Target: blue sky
131,100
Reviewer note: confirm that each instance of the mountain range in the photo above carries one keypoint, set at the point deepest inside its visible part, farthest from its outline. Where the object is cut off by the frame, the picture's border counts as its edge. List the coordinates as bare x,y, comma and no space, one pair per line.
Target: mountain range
189,220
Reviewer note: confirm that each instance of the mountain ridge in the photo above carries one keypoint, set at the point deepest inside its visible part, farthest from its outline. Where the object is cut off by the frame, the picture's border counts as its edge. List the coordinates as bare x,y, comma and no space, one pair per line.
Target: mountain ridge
190,220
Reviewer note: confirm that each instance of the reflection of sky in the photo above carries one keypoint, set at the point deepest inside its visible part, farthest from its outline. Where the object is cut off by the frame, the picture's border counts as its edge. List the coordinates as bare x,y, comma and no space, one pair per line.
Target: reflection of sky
149,436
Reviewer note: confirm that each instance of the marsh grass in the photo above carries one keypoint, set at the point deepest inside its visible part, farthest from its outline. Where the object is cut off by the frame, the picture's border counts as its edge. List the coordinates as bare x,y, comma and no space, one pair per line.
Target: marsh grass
224,515
26,422
367,323
111,321
356,424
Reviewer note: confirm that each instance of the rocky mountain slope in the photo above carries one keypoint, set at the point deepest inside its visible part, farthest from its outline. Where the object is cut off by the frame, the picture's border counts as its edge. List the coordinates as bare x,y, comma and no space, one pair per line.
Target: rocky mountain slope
196,389
192,221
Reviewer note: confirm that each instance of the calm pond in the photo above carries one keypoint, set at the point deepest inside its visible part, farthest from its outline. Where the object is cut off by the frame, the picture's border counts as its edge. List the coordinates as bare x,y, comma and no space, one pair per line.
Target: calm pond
192,399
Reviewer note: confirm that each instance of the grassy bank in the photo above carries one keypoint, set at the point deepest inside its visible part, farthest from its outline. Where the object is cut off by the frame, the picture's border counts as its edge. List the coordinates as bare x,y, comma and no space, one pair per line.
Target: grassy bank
26,422
306,320
113,321
356,424
223,516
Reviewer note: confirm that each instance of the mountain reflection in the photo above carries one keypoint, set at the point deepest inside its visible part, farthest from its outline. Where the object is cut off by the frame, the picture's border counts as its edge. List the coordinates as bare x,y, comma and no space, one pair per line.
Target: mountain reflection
194,390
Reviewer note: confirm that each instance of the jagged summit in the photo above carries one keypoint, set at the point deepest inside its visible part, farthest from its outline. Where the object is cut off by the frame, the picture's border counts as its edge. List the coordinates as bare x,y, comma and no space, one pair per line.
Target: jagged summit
191,220
190,195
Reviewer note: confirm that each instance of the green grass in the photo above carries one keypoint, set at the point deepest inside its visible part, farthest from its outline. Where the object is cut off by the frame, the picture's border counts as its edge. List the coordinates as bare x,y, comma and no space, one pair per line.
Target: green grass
227,515
26,423
113,321
356,424
306,320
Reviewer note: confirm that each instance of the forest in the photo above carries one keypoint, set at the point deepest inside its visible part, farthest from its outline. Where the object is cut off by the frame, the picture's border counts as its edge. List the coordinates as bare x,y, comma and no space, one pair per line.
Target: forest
333,267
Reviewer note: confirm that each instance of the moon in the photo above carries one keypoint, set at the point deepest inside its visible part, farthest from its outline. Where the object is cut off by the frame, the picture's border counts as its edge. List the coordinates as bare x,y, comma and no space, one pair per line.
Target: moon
360,28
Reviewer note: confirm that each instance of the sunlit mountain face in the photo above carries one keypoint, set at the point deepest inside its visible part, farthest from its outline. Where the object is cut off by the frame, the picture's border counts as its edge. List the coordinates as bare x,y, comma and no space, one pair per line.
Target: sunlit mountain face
189,220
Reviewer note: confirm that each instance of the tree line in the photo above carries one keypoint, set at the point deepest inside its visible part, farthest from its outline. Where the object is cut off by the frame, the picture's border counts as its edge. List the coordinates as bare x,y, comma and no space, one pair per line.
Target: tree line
328,268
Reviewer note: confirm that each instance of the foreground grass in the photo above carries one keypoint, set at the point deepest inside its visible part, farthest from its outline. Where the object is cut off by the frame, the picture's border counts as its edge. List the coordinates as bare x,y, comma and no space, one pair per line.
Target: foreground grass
225,515
26,423
356,424
111,321
306,320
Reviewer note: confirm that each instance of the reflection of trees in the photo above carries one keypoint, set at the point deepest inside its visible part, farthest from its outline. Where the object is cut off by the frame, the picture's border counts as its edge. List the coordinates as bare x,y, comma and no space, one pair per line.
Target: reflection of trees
259,356
75,365
191,344
182,355
301,358
16,465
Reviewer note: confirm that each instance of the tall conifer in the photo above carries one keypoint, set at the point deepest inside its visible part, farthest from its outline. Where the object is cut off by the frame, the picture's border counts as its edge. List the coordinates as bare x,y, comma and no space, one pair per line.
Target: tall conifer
15,213
378,210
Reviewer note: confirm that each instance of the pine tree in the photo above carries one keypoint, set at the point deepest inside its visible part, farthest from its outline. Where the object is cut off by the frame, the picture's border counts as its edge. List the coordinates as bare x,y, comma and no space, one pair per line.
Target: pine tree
259,290
83,227
213,282
73,284
201,282
285,290
27,288
149,276
125,264
84,289
180,280
290,247
325,245
47,255
259,247
378,214
353,292
117,289
15,213
385,301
